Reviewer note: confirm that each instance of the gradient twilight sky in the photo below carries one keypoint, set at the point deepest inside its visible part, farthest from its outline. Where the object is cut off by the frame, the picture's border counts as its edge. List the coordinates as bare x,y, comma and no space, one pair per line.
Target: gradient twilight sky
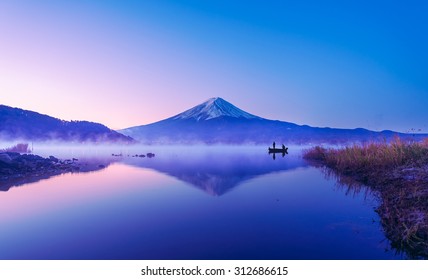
127,63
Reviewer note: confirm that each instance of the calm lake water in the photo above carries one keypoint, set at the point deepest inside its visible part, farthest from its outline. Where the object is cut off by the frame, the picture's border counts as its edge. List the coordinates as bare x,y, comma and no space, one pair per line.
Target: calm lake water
212,203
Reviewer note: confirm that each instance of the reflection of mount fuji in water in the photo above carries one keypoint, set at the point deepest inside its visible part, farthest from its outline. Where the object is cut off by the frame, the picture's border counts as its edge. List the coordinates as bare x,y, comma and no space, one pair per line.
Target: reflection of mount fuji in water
217,172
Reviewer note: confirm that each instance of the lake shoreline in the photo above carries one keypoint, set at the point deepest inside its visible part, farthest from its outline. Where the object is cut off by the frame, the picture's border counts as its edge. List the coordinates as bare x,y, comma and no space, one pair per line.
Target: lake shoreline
213,193
17,169
398,174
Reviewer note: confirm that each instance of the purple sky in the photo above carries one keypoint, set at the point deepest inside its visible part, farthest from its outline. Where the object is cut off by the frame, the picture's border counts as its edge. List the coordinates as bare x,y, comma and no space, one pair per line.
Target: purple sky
126,63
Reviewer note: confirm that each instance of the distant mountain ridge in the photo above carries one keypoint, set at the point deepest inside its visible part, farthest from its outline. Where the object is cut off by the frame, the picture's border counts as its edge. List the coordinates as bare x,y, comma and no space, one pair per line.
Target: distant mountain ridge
218,121
22,124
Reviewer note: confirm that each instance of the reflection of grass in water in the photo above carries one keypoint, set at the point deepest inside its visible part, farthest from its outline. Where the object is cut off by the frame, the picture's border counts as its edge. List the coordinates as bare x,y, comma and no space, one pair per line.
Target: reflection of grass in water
398,173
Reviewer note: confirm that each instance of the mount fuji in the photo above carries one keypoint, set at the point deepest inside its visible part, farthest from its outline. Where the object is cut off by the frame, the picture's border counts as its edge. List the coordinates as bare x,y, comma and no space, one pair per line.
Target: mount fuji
218,121
214,108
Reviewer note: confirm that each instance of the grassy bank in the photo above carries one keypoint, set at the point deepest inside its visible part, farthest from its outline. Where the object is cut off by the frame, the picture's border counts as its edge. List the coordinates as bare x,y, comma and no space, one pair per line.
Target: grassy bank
397,173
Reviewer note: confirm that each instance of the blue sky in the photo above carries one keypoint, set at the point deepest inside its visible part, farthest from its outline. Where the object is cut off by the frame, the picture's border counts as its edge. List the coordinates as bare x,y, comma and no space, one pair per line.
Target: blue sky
126,63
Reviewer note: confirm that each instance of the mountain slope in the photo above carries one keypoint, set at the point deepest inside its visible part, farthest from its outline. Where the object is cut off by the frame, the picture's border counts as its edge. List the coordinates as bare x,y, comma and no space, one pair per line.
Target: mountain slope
17,123
218,121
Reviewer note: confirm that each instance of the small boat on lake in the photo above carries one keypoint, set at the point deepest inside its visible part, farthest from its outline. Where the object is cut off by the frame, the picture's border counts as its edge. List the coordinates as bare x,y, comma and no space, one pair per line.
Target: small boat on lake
273,151
283,150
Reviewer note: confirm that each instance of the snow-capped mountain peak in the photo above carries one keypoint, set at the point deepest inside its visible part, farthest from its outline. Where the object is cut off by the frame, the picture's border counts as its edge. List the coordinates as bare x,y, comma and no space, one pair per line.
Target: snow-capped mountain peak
214,108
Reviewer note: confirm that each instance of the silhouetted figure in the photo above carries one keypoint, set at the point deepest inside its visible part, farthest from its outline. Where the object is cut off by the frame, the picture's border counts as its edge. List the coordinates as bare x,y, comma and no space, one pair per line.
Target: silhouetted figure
274,145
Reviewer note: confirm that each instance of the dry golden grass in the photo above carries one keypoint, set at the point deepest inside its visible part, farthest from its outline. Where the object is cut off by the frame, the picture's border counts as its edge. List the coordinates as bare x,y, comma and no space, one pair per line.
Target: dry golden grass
371,157
18,148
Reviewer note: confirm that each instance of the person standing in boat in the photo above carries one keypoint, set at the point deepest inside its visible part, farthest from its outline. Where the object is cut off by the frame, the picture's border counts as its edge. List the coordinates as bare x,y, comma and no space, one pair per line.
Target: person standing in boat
274,145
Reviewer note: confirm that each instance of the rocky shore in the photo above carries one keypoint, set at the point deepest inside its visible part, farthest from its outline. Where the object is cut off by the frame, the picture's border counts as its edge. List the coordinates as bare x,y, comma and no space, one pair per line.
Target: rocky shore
17,169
